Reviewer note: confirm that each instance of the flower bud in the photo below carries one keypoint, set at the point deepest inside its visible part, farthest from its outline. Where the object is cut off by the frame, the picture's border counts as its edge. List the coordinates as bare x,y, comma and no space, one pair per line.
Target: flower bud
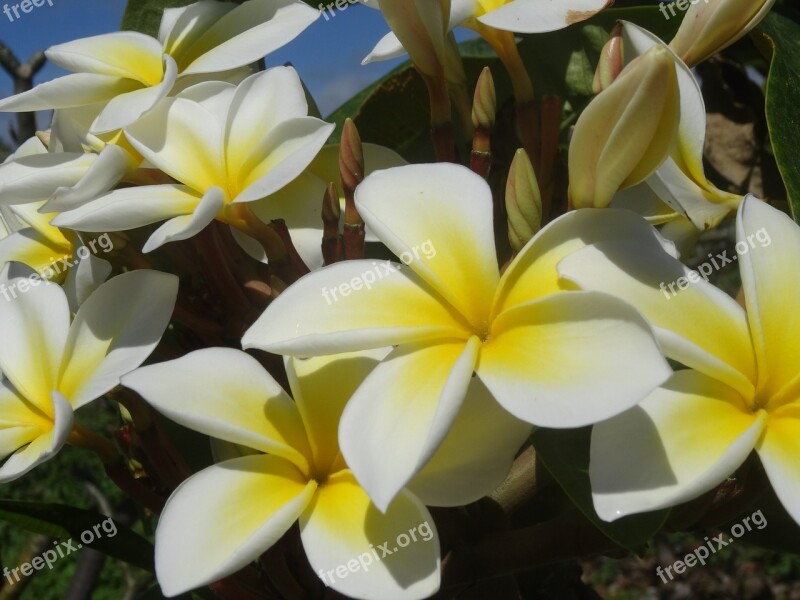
611,61
523,202
712,25
626,131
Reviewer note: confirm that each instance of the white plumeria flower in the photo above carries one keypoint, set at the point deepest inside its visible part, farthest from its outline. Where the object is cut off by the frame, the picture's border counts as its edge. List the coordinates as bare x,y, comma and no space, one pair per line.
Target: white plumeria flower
290,470
546,357
742,389
225,145
50,367
680,181
131,72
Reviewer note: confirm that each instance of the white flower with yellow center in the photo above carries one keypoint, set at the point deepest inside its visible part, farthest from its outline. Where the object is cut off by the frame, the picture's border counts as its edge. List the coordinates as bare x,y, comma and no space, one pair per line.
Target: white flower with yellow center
224,144
131,71
291,470
742,389
549,358
50,367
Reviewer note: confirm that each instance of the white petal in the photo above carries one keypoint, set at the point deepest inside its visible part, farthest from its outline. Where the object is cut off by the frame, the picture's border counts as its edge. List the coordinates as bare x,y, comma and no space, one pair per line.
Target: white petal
281,156
78,89
352,305
43,447
407,206
104,173
181,27
321,404
226,394
535,16
571,359
408,417
476,455
125,109
533,273
768,247
387,48
123,54
114,331
163,135
34,322
84,278
128,208
36,178
186,226
342,534
778,451
260,103
682,441
245,506
697,324
247,33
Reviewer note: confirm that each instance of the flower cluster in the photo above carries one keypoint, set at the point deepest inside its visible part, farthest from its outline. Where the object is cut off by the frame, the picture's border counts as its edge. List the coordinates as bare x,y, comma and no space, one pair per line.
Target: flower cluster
343,423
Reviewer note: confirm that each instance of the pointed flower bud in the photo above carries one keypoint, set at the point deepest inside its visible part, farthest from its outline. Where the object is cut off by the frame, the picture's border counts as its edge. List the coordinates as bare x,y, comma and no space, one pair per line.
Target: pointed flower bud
523,201
713,25
626,131
611,61
484,107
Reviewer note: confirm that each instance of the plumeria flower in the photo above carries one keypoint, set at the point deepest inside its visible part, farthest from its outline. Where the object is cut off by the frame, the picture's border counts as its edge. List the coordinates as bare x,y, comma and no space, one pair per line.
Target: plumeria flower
50,368
131,72
742,389
247,142
713,25
552,359
290,470
681,181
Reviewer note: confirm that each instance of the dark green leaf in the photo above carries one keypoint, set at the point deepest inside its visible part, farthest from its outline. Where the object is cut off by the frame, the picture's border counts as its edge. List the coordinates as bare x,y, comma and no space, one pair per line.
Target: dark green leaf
783,98
65,522
565,453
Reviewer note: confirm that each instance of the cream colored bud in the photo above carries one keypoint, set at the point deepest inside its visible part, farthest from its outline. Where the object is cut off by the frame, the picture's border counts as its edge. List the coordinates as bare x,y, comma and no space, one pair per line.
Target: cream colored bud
626,132
712,25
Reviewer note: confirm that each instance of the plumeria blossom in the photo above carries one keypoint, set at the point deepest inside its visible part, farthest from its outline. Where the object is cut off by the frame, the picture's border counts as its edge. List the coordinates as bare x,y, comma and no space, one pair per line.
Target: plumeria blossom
292,470
130,72
543,355
742,390
247,141
50,368
713,25
681,181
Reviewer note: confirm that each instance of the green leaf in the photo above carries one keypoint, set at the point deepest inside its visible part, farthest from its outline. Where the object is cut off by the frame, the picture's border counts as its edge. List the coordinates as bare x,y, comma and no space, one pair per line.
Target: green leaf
67,522
565,453
783,98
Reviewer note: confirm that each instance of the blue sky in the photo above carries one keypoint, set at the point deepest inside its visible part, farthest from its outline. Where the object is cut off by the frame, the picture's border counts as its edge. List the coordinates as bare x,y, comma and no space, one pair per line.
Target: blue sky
327,55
